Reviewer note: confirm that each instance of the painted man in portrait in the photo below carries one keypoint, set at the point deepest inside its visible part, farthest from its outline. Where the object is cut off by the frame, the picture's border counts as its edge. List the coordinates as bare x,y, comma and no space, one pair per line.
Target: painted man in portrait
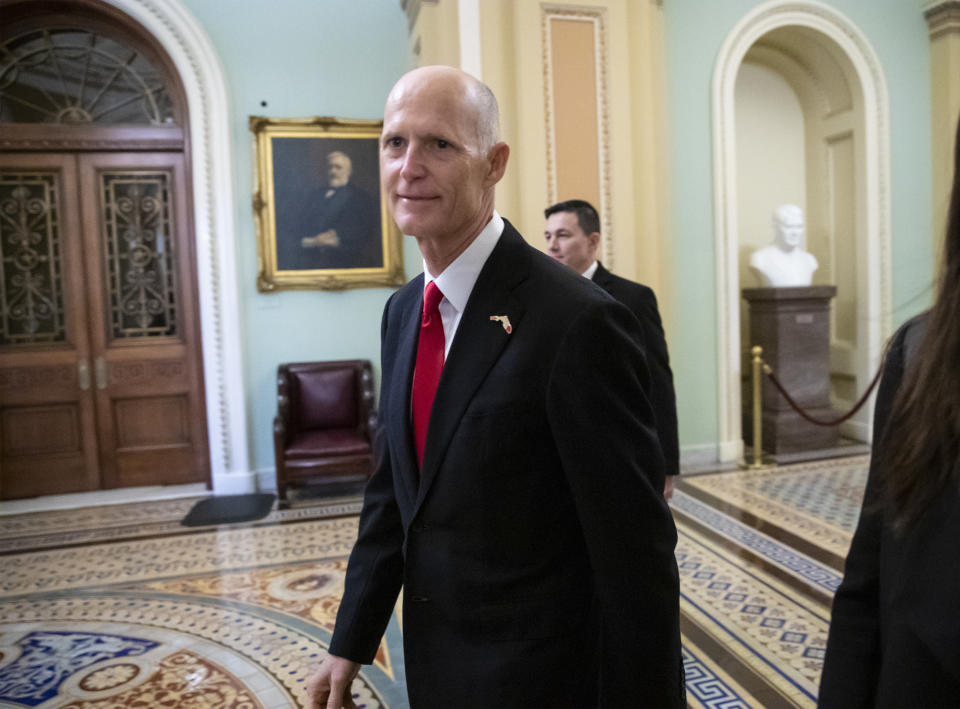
336,226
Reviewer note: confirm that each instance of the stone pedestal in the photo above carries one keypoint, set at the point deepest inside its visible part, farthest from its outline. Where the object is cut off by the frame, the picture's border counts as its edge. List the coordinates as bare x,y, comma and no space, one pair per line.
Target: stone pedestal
792,325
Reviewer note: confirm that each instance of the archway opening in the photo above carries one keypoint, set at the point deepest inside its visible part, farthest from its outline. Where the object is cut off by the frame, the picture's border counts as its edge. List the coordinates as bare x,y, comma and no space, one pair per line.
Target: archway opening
800,114
799,140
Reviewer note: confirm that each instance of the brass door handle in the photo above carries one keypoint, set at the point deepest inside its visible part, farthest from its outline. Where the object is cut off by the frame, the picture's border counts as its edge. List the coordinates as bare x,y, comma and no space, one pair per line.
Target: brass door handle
83,373
100,370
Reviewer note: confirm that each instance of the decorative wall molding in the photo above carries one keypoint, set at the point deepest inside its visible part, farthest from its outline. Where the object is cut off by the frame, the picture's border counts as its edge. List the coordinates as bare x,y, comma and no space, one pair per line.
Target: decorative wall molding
35,136
412,10
133,372
943,17
29,377
853,43
205,84
550,12
468,24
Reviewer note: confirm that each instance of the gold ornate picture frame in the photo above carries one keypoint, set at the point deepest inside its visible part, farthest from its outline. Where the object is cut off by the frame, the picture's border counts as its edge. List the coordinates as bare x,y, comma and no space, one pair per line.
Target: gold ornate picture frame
322,223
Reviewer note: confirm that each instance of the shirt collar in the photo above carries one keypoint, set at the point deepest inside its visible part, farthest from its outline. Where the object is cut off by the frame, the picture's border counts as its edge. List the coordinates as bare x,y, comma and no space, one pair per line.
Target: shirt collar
588,273
457,280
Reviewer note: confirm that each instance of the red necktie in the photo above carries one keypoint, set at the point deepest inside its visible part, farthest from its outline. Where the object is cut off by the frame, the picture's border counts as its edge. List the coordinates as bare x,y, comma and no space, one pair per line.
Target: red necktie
426,374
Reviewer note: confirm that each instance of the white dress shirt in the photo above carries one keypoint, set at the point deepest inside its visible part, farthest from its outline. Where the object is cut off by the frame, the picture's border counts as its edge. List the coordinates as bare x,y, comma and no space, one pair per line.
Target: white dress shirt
457,280
588,274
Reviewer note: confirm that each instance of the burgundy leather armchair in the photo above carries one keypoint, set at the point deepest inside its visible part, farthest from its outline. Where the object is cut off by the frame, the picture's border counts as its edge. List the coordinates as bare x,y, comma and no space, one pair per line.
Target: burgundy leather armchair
323,432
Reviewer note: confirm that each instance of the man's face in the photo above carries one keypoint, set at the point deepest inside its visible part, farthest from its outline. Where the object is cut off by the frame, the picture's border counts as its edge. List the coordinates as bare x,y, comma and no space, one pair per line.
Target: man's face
567,242
338,170
437,180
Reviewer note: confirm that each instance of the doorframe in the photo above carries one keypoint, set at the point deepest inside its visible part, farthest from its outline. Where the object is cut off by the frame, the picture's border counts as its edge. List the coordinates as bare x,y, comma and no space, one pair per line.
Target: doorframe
205,85
848,37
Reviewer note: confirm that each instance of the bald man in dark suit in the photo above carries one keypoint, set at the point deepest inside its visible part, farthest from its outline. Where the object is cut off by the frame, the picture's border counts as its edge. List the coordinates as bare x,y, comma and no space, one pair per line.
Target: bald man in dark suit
517,495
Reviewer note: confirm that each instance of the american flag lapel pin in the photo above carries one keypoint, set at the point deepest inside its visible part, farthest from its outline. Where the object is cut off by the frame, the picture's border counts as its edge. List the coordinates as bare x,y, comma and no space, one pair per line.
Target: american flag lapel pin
503,320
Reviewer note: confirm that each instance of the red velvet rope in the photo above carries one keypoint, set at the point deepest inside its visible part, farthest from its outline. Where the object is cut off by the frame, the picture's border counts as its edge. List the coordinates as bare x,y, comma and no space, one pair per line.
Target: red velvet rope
811,419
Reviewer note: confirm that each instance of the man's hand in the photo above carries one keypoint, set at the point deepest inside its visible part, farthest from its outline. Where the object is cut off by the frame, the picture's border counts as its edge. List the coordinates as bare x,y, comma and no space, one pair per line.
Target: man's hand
324,238
329,687
668,487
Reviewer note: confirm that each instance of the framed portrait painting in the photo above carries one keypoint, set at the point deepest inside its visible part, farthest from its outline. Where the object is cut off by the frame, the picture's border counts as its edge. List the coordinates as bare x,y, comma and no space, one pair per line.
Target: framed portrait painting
321,220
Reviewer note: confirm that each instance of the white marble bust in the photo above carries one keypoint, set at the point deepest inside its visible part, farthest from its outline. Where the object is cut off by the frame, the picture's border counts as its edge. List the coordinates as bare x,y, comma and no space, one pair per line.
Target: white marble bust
784,263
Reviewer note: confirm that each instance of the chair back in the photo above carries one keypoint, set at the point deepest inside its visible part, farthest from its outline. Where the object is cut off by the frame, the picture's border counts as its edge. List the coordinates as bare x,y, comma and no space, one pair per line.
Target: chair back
325,398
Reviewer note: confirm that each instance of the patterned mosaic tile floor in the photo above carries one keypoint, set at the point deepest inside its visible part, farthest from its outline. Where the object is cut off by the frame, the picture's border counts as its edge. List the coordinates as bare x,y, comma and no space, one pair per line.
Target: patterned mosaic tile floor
812,506
120,606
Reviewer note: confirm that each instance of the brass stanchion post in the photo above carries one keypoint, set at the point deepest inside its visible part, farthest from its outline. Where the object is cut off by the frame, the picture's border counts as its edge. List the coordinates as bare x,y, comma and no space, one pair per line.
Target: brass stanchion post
757,353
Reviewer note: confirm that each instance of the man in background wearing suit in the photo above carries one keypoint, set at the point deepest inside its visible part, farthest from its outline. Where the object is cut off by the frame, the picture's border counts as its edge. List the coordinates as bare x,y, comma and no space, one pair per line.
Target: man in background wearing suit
573,236
516,497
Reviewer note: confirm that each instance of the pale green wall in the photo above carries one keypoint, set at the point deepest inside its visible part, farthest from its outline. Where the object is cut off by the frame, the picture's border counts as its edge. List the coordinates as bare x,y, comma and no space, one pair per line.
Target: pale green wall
304,58
338,57
695,31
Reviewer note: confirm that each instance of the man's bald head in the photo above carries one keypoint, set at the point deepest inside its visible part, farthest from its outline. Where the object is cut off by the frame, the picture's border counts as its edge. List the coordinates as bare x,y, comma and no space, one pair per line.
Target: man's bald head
475,97
440,159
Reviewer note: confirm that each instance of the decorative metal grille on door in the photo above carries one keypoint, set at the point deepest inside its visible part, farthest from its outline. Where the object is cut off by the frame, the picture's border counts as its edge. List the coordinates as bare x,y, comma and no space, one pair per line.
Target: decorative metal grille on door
141,279
31,299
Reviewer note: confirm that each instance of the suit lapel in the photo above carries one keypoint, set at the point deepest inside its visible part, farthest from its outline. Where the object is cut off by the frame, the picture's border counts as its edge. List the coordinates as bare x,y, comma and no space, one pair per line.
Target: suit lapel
399,408
601,276
477,345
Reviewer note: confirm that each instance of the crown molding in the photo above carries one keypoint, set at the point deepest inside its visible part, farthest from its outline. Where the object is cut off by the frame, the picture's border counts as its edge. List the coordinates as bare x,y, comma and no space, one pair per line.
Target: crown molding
943,17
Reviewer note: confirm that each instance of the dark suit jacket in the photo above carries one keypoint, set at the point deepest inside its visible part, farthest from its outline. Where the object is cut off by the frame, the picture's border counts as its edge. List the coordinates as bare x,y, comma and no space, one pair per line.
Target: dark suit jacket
643,303
534,547
895,627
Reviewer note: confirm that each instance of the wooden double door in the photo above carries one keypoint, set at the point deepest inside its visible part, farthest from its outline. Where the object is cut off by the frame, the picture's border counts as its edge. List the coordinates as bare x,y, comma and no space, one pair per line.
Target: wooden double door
101,380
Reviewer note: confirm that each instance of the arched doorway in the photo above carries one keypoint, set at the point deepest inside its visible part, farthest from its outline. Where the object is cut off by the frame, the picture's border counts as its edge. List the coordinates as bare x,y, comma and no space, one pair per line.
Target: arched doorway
835,124
101,366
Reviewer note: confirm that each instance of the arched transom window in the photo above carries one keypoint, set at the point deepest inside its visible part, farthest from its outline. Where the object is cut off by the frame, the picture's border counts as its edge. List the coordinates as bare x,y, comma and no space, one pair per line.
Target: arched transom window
74,76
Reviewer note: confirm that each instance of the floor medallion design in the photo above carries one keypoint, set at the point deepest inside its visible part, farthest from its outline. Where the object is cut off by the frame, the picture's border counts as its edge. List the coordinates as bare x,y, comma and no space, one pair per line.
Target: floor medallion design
182,681
46,659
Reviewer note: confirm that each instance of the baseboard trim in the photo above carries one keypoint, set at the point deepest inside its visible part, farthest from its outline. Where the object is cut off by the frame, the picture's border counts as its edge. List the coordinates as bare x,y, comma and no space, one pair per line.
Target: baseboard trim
267,479
710,457
237,483
97,498
698,456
